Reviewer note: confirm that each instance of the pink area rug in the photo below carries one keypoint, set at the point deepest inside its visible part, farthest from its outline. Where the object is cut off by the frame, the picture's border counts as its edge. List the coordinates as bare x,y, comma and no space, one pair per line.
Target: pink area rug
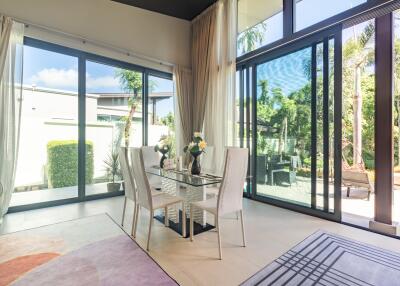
88,251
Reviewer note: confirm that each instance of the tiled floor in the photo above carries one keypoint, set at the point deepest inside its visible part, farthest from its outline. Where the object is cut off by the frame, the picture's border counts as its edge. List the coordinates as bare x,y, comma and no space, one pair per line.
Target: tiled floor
271,231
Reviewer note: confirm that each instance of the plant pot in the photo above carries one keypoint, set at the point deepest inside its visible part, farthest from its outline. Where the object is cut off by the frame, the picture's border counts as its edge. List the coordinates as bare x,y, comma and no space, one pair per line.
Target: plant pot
113,187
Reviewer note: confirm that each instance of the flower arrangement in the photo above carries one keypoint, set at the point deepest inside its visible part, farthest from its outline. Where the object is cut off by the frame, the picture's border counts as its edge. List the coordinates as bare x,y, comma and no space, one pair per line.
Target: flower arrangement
163,146
197,146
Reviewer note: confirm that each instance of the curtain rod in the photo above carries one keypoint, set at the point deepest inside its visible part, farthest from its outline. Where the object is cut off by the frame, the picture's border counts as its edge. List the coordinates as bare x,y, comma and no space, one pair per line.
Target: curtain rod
85,40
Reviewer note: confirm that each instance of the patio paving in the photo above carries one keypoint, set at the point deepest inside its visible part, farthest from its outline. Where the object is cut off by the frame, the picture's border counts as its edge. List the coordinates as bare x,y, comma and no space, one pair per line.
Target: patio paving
47,195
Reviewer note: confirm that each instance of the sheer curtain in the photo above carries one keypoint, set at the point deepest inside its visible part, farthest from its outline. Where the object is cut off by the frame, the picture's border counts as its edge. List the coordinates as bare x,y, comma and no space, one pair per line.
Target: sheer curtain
11,53
219,128
183,107
203,42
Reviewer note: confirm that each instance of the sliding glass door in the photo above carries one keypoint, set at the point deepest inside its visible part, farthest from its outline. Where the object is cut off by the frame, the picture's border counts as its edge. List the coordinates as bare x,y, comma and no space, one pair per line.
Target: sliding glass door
47,167
294,117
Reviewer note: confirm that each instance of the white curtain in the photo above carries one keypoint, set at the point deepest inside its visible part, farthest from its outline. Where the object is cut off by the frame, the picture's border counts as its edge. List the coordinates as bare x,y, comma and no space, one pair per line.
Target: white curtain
11,53
219,125
183,87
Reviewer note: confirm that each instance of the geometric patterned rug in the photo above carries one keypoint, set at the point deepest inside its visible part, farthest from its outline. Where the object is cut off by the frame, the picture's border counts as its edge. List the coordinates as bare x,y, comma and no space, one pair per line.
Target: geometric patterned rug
327,259
88,251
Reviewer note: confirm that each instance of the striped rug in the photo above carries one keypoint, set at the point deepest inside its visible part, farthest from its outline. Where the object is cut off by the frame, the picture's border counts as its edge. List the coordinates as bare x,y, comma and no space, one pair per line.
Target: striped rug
327,259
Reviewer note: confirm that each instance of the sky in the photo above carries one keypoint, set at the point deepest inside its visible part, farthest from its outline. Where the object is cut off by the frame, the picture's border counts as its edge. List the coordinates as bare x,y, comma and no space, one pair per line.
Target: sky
47,69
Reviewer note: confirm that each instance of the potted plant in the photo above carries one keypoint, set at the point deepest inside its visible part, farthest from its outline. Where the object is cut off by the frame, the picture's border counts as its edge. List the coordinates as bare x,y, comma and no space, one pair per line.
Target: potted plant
113,170
196,148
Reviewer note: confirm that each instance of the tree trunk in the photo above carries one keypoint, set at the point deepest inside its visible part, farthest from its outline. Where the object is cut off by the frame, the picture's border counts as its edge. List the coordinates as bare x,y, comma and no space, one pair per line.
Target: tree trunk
357,118
128,124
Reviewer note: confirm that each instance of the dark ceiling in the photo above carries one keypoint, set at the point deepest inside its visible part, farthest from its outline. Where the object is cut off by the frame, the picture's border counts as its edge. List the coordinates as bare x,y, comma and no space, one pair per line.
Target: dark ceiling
184,9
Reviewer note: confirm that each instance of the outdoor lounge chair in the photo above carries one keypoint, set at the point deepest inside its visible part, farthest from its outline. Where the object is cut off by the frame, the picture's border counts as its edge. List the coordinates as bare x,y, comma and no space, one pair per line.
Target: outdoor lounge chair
356,178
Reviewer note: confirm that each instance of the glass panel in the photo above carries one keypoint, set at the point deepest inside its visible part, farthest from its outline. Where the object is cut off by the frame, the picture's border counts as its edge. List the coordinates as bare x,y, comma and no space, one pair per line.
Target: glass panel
284,128
358,123
331,120
47,167
320,122
161,112
396,118
309,12
113,105
260,22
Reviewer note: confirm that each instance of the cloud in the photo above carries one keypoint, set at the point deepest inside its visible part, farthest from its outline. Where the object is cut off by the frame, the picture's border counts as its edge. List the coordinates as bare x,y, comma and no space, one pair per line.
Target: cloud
56,78
68,78
101,82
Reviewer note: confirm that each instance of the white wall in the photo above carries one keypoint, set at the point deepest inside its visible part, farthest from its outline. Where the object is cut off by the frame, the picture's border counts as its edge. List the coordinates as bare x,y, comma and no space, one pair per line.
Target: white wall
144,32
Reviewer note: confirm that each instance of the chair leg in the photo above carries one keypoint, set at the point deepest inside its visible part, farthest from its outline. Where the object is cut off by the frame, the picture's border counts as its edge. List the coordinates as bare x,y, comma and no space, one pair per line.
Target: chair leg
134,218
348,191
166,216
243,233
219,239
183,220
191,223
369,194
149,234
237,215
123,212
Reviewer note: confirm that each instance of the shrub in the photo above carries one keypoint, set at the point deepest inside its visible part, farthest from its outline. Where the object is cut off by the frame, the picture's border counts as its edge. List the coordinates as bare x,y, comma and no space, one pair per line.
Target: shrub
62,165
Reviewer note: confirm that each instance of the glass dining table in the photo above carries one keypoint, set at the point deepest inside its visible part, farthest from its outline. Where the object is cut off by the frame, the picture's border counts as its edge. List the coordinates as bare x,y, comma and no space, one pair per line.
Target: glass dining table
191,188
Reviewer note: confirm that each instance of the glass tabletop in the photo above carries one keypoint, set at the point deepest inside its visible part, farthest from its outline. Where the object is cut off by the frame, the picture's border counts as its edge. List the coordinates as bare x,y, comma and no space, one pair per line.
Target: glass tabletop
184,177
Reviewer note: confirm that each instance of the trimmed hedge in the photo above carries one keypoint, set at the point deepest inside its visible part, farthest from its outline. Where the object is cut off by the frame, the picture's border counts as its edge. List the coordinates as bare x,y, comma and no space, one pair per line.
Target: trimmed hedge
62,163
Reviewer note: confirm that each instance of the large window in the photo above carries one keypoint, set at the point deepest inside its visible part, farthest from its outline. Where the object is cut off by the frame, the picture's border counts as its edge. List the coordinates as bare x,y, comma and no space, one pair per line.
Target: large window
260,22
309,12
78,109
47,167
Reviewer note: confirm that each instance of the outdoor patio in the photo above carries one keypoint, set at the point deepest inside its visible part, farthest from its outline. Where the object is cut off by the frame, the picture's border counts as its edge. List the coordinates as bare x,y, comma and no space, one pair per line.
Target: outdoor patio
356,208
48,195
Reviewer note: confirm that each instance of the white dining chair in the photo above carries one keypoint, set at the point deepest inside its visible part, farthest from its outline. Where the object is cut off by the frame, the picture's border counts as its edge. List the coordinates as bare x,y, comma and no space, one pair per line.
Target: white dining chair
130,192
230,196
152,158
145,198
129,183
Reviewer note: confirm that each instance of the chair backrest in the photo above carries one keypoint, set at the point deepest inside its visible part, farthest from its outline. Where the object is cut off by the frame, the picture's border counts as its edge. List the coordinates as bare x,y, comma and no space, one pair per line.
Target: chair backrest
231,191
207,163
127,174
142,184
150,157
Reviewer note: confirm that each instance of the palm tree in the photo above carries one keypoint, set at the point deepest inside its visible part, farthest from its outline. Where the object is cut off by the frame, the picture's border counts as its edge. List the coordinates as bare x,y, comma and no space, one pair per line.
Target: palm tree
248,39
131,82
358,54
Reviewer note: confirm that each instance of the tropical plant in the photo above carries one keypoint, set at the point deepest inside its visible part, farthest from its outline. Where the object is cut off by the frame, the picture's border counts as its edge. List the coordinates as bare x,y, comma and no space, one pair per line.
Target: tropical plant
358,54
248,39
131,82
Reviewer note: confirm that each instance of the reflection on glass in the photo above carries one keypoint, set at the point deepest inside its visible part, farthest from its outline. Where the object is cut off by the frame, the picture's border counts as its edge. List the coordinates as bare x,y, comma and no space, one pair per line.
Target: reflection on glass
161,112
358,123
113,119
309,12
396,118
47,167
260,22
284,128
